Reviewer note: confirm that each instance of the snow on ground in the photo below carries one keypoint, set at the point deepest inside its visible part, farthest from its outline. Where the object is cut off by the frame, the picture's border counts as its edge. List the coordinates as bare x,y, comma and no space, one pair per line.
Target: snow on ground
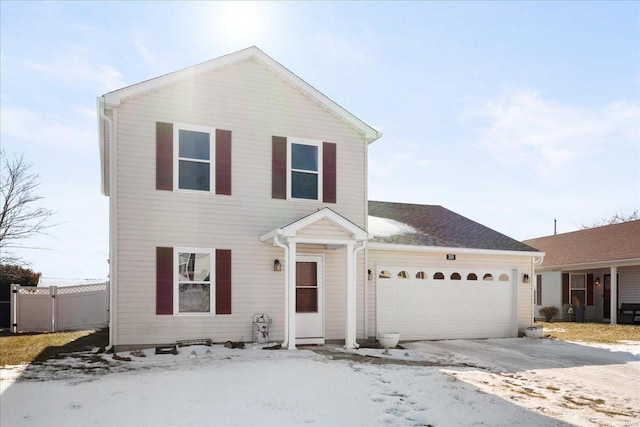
441,383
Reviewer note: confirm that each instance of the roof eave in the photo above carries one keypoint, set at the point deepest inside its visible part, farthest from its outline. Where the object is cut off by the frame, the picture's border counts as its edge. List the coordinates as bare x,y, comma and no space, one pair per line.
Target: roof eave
440,249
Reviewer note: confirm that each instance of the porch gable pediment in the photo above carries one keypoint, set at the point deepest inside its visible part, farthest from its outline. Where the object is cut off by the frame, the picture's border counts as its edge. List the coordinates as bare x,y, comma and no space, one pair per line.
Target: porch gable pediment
317,224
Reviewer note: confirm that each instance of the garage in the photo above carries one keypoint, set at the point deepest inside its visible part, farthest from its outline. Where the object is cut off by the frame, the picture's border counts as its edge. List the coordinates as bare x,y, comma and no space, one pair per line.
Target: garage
437,303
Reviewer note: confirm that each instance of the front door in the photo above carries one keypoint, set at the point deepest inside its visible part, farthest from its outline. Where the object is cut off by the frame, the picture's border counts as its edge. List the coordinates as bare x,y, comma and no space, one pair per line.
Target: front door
606,297
309,301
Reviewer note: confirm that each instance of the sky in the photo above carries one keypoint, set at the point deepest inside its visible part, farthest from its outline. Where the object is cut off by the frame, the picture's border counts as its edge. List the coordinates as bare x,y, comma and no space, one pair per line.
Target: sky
512,114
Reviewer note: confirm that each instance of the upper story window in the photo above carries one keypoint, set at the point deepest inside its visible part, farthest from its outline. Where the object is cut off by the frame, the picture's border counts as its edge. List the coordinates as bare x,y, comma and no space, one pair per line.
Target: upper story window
193,158
195,149
303,169
305,175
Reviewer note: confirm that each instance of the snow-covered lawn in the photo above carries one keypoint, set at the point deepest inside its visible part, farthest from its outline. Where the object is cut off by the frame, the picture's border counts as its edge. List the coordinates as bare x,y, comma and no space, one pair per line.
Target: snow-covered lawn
441,383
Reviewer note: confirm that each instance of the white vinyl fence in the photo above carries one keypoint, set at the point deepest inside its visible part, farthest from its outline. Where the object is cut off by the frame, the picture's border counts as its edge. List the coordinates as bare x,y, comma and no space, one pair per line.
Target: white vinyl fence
53,309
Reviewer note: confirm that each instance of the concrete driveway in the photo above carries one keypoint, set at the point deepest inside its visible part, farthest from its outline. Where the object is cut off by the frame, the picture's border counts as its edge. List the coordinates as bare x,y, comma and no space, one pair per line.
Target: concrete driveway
580,384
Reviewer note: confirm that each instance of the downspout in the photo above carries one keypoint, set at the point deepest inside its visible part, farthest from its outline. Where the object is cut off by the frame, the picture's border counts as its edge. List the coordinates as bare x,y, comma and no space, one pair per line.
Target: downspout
111,275
276,242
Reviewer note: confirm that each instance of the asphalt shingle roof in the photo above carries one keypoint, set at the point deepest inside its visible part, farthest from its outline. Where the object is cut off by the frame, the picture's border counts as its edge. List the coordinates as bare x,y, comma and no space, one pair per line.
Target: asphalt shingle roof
608,243
438,226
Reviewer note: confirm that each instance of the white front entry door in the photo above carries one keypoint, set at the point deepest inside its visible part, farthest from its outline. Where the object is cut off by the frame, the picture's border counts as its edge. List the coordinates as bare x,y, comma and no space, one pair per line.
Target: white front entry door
309,300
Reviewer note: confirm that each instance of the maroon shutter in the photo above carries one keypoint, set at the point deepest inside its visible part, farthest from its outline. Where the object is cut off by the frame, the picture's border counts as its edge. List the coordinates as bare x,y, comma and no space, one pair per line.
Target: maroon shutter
539,289
279,167
329,172
565,288
223,162
164,280
223,281
589,289
164,156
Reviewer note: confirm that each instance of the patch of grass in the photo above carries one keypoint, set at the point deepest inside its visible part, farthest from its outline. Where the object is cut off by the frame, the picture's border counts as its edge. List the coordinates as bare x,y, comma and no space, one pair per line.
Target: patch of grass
591,332
16,349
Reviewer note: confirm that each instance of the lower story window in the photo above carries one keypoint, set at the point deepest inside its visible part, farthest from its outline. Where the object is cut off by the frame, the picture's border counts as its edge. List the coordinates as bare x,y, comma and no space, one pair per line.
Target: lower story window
195,291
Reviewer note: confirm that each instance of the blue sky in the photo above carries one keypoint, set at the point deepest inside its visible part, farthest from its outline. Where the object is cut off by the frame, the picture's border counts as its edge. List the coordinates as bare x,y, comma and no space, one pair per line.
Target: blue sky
509,113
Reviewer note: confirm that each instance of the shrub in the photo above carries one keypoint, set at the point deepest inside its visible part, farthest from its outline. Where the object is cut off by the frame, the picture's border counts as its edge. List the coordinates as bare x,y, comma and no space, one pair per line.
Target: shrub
548,313
15,274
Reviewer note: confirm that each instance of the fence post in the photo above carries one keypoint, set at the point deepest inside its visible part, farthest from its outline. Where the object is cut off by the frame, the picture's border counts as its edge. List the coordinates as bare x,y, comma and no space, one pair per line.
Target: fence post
14,307
53,291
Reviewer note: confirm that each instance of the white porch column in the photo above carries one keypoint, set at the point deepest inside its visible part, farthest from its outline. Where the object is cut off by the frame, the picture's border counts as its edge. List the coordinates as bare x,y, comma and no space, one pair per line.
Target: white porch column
613,296
350,312
291,310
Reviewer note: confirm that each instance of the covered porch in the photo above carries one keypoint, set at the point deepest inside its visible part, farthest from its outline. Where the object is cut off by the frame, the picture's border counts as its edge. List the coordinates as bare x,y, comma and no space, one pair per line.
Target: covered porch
305,243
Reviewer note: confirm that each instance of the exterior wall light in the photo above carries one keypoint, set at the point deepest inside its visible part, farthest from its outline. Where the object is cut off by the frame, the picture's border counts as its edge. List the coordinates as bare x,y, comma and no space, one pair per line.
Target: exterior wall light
370,274
598,282
277,265
525,278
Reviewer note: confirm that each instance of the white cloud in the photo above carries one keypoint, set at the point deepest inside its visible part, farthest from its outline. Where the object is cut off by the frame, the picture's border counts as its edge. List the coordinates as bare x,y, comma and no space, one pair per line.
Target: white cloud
144,52
75,132
522,127
104,78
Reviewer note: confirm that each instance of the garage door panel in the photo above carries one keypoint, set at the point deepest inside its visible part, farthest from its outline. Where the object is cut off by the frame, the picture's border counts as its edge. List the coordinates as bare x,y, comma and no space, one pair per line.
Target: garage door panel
436,309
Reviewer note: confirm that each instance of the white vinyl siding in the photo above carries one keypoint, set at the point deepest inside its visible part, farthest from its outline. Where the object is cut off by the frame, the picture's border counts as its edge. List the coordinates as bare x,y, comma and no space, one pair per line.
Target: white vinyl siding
257,105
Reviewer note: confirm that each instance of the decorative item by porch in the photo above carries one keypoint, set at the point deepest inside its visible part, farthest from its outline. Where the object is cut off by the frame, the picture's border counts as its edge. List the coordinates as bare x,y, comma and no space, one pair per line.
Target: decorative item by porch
388,341
534,331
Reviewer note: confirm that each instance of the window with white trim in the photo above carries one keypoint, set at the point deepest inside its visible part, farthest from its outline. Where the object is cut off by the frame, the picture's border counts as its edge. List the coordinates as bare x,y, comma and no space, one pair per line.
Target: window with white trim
194,152
194,291
304,169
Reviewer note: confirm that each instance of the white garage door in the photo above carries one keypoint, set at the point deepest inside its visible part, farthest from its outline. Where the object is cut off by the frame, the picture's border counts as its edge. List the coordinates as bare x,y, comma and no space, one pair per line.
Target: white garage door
443,304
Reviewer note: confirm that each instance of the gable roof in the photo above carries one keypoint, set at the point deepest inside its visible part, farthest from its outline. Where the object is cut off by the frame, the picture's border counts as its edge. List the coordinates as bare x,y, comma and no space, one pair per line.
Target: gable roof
429,225
610,243
114,98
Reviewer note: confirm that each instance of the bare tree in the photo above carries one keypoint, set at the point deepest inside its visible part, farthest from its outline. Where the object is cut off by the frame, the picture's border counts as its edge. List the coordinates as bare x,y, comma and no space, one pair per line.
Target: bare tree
22,215
615,219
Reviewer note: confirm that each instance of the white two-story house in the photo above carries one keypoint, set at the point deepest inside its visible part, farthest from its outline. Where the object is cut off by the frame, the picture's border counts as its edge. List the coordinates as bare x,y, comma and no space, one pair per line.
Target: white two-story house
236,188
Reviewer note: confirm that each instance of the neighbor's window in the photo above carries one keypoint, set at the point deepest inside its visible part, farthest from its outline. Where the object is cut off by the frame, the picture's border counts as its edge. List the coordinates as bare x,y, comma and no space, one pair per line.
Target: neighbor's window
578,290
304,169
195,148
194,287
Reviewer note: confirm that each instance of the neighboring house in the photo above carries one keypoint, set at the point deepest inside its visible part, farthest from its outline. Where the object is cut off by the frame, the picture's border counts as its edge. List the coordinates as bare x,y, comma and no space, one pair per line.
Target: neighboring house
597,269
236,188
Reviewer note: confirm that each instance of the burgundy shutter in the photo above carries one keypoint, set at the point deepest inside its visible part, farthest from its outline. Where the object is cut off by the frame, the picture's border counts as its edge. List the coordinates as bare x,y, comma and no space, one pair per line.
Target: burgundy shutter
164,280
164,156
329,172
223,281
565,288
589,289
539,289
223,162
279,167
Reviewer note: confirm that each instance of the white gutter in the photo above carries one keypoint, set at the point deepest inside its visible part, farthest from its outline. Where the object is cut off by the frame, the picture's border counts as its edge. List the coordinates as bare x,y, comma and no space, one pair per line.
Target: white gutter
101,115
442,249
276,242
